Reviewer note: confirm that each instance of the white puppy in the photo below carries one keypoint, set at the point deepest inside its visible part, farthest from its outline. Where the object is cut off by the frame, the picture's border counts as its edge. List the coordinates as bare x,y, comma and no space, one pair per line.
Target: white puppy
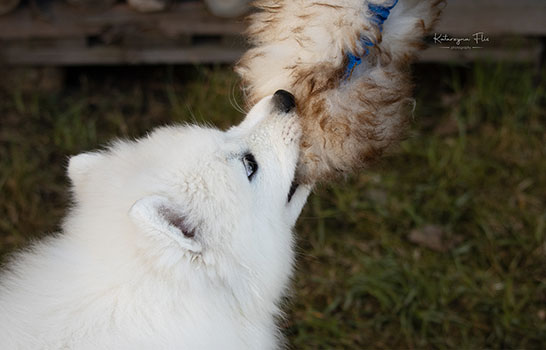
180,240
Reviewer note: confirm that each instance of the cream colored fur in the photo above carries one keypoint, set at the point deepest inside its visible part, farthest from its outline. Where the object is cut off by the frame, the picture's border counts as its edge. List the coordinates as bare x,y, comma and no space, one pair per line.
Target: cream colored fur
302,46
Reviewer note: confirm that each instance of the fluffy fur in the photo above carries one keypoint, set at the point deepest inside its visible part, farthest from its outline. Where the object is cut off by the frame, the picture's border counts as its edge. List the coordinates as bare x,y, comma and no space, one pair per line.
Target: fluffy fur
348,118
168,246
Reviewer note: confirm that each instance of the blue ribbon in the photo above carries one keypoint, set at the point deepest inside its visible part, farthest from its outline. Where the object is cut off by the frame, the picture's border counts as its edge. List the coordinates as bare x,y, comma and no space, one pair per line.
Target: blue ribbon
379,16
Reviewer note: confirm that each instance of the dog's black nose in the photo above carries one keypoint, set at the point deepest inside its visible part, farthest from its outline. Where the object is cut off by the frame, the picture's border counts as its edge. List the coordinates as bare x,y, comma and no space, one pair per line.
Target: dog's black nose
284,101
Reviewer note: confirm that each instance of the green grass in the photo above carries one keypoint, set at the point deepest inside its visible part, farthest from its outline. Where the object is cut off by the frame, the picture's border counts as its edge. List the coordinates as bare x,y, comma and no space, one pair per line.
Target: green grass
473,169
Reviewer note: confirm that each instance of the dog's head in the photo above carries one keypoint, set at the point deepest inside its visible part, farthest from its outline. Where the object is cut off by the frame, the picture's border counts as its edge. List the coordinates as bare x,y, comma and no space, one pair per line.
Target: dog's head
191,198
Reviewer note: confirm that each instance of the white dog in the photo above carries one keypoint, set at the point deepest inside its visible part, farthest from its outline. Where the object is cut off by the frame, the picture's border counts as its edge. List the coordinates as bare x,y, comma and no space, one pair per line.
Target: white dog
180,240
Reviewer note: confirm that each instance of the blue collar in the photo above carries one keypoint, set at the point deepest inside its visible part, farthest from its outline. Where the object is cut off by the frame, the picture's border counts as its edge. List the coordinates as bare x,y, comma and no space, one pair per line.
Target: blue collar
379,15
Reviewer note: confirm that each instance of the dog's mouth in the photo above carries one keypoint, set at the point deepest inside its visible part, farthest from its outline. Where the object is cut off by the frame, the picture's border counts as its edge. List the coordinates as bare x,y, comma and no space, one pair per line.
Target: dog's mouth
293,188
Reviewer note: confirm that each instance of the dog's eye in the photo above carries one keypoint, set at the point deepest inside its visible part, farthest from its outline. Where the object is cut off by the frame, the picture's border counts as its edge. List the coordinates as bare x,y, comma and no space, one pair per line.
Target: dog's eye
251,166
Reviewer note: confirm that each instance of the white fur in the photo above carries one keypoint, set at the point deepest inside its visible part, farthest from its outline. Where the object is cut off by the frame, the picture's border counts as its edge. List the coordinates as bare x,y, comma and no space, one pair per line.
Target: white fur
122,276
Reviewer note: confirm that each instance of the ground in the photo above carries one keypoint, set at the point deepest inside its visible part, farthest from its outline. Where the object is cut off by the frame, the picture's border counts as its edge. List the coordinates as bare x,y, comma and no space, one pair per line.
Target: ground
440,245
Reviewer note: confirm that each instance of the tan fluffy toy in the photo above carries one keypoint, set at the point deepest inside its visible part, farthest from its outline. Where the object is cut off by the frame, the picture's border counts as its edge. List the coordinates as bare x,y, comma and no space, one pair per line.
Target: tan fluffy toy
347,64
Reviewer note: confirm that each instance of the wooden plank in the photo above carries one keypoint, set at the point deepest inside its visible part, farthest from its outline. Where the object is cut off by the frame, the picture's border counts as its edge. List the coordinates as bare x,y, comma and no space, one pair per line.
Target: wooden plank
67,21
505,48
524,17
434,54
116,55
76,54
189,34
494,17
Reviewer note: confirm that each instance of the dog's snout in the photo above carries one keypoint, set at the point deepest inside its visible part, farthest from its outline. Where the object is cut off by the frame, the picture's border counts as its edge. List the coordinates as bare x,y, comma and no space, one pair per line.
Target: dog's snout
284,101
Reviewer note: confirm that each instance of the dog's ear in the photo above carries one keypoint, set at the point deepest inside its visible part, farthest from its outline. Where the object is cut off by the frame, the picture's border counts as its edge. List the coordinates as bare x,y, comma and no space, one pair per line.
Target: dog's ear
158,217
79,166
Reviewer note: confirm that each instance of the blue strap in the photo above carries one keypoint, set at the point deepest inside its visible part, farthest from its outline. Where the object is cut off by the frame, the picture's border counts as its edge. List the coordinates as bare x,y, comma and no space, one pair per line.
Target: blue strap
379,16
353,62
380,13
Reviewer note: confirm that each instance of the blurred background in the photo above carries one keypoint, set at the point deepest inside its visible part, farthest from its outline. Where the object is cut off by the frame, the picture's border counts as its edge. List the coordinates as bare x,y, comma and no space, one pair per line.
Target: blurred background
441,245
